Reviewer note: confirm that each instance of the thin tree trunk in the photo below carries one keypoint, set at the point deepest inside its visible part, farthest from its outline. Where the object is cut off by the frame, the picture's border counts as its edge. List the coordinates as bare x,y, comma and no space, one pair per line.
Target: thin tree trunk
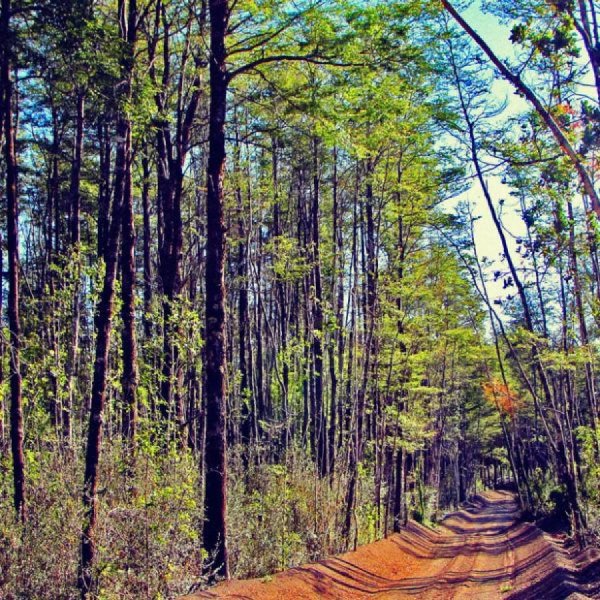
583,330
248,429
75,228
335,342
104,188
280,287
318,332
129,378
52,253
147,247
104,321
2,344
355,407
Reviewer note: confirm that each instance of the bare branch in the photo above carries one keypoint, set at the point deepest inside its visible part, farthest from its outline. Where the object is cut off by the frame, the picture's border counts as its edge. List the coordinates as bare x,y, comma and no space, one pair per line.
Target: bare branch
542,111
307,58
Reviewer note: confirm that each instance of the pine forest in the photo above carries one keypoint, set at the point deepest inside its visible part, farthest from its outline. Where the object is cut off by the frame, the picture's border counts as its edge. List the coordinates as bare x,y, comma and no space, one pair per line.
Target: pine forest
281,280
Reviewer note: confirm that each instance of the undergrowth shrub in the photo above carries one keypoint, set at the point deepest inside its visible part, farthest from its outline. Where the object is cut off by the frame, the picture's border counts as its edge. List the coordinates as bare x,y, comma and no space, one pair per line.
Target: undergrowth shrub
281,516
148,542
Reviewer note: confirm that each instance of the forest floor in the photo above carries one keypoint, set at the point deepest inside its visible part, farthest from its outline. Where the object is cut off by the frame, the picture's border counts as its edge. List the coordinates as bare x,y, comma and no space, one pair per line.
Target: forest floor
483,551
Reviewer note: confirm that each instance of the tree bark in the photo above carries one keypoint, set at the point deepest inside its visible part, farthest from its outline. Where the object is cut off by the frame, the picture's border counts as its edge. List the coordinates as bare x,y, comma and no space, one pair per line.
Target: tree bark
12,237
104,321
147,230
319,422
336,342
215,497
2,344
104,191
129,377
75,227
248,429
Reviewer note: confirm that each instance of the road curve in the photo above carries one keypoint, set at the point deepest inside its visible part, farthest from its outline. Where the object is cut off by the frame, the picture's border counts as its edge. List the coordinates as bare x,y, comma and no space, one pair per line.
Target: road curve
480,552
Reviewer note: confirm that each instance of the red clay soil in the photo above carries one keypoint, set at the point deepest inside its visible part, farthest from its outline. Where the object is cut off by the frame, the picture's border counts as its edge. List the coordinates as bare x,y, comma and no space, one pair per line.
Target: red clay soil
480,552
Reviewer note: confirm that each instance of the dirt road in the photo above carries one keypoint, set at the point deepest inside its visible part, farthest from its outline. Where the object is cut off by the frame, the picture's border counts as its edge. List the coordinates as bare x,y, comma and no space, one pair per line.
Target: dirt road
480,552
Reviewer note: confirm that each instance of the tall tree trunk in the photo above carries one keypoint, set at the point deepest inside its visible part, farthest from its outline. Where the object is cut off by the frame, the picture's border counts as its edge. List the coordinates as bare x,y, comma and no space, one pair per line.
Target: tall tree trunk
147,247
104,316
172,154
75,231
248,429
2,344
583,329
12,227
400,515
215,497
104,187
129,378
355,403
51,274
103,322
280,287
319,421
170,264
335,343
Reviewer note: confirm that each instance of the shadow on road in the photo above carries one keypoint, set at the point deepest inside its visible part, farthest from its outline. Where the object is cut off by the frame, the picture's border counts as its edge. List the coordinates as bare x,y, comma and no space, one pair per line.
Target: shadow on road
482,551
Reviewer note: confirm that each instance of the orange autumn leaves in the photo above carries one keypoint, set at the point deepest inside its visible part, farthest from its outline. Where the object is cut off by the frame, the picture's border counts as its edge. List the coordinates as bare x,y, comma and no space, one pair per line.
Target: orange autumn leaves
500,395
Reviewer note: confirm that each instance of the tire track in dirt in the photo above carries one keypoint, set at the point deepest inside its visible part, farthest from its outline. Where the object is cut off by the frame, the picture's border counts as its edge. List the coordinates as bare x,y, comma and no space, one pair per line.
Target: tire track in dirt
481,552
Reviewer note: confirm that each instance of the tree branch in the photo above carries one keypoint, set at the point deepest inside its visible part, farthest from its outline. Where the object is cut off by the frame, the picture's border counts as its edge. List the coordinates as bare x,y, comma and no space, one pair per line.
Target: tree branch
526,91
308,58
